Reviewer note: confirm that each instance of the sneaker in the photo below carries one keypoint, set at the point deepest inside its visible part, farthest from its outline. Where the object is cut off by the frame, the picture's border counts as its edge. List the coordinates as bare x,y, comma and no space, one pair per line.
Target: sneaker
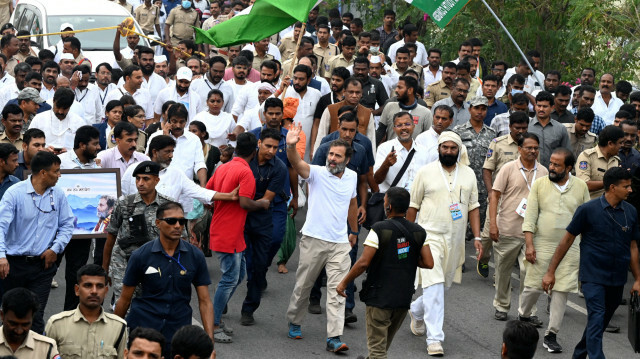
417,326
501,316
247,319
435,349
612,329
349,316
551,344
483,269
54,284
335,345
535,321
314,307
294,331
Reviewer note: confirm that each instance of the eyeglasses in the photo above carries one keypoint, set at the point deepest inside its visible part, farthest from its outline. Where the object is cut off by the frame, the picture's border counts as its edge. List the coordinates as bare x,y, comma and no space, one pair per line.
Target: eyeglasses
401,125
172,221
531,149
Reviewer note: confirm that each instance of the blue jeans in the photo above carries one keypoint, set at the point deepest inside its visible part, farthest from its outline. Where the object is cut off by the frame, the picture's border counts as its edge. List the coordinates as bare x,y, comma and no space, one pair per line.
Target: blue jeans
602,301
232,266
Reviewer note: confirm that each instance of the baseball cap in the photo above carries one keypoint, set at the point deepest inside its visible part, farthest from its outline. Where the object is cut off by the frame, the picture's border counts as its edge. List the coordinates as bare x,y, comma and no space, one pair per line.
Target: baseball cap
29,93
184,73
65,26
479,101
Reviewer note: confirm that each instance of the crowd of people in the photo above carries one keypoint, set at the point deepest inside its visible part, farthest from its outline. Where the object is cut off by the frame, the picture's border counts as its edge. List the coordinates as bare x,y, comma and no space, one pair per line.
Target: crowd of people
217,149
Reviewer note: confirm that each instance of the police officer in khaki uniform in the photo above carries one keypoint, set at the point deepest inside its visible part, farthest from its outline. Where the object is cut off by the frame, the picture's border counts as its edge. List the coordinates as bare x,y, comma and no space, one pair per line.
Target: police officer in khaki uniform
148,16
594,162
88,331
16,337
324,50
178,24
441,89
579,135
260,53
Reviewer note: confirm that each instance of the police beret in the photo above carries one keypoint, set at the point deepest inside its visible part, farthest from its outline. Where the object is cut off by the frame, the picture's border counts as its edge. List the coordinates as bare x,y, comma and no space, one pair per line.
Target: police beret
147,168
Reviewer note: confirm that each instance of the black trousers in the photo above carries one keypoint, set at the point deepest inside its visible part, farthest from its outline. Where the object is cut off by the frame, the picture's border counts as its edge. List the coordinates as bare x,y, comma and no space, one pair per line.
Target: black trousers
77,254
29,273
258,240
98,251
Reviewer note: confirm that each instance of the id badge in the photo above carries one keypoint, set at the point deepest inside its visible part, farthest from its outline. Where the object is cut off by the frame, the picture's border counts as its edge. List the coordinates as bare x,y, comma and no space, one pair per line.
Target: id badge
522,208
456,213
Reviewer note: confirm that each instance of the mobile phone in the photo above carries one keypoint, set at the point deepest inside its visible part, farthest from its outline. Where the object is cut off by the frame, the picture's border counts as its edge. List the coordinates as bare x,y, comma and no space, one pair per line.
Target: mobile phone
392,150
57,149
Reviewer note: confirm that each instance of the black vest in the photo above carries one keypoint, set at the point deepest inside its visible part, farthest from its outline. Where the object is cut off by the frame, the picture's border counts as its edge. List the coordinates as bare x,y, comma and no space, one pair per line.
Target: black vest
390,276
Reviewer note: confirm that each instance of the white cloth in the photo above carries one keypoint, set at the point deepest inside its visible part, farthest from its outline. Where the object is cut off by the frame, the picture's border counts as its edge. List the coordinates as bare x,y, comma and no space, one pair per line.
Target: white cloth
70,161
419,159
91,102
187,155
6,79
155,84
607,112
190,100
306,109
76,109
429,140
430,308
531,83
428,76
59,134
173,183
8,92
47,94
329,199
218,127
246,98
202,86
141,96
103,95
421,54
251,119
324,85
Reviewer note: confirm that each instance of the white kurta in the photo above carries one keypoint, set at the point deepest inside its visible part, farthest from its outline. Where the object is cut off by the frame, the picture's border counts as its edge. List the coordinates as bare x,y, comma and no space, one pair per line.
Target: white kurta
446,237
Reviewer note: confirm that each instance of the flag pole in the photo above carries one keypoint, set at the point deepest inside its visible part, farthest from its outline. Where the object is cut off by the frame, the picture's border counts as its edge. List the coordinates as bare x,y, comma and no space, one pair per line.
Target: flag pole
533,71
295,55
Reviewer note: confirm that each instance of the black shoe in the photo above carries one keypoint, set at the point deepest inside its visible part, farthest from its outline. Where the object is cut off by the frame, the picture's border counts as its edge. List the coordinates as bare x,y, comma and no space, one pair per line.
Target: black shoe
551,344
314,307
612,329
349,316
247,319
483,269
502,316
533,320
464,268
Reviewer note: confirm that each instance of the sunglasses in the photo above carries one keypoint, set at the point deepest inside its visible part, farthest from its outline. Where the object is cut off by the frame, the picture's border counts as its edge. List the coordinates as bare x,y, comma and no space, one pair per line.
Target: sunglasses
172,221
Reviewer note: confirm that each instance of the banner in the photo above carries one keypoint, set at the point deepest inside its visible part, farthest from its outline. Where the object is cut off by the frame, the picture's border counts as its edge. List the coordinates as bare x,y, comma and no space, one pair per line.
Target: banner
441,11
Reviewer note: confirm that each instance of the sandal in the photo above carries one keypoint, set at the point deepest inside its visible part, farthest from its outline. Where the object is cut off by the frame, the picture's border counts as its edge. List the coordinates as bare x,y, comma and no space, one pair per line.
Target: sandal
220,337
227,330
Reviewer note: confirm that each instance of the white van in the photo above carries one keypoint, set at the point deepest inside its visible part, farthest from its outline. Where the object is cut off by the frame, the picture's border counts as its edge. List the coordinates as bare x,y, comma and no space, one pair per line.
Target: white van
46,16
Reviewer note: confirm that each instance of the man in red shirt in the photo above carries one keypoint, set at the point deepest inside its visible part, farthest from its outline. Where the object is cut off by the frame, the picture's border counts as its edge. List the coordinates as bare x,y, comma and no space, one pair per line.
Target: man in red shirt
227,224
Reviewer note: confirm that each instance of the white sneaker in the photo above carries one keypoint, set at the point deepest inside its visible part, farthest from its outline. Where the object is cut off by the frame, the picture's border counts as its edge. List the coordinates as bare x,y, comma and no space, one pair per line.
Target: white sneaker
435,349
417,326
54,284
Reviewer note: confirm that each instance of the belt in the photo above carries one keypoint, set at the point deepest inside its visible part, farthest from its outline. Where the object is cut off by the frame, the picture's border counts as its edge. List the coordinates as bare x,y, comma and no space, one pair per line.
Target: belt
25,259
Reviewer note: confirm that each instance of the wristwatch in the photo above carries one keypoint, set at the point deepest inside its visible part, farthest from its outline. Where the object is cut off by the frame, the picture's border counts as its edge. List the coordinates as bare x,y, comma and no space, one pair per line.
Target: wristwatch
354,233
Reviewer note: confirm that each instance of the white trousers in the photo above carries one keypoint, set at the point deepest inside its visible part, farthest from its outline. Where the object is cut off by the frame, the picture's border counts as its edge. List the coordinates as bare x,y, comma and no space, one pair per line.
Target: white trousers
430,308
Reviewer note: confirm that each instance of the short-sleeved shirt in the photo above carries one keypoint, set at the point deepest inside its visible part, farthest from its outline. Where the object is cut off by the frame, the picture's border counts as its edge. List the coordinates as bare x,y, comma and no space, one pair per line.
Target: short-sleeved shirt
566,117
502,149
339,61
269,176
551,136
182,22
510,182
7,182
34,346
496,108
435,92
591,166
373,93
579,144
357,163
324,55
165,302
281,154
604,245
360,139
147,17
227,225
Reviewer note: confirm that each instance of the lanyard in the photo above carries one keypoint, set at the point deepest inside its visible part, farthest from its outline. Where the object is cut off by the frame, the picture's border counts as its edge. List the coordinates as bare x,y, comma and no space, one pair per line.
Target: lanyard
85,95
535,170
53,208
102,98
184,270
446,183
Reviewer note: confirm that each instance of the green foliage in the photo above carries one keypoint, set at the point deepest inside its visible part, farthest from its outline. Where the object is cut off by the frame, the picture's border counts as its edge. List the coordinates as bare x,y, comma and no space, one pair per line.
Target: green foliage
570,34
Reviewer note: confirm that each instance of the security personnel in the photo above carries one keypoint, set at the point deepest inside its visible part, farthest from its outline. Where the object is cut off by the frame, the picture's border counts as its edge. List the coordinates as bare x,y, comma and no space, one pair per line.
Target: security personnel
179,24
437,91
345,59
270,174
608,226
594,162
148,16
88,331
18,308
132,222
579,135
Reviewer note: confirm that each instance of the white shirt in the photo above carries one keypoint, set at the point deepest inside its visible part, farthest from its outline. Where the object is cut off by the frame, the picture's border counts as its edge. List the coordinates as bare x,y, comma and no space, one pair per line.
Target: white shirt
324,85
329,199
202,86
246,98
47,94
76,108
218,127
91,103
187,155
141,96
428,76
70,161
272,50
419,159
530,83
237,87
102,97
306,109
607,112
173,183
8,92
59,134
421,54
251,119
429,140
190,100
155,84
127,53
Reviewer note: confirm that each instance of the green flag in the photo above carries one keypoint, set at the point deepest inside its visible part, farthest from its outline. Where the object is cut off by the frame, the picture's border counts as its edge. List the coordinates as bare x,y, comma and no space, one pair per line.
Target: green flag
441,11
263,19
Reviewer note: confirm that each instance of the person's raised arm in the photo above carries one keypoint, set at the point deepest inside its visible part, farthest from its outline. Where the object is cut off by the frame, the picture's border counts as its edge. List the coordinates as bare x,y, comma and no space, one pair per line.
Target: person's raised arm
116,43
293,136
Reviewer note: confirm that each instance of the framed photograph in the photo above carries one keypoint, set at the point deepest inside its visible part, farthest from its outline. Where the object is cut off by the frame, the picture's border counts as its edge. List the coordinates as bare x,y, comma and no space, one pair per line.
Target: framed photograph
92,195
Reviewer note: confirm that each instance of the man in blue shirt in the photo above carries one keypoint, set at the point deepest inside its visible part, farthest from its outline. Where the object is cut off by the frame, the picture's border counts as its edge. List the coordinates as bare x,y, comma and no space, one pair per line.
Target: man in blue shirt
610,235
8,165
490,86
166,268
270,175
36,223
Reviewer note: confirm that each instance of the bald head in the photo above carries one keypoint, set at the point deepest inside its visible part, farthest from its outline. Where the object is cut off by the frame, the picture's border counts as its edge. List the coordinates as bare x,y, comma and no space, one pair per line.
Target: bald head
305,61
62,81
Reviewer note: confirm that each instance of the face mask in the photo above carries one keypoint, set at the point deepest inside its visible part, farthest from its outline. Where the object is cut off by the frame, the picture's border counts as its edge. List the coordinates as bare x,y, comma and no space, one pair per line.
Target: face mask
514,92
186,4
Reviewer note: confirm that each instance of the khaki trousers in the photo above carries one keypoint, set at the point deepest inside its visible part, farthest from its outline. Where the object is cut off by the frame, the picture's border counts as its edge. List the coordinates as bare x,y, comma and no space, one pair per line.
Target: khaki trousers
528,301
382,325
314,255
506,252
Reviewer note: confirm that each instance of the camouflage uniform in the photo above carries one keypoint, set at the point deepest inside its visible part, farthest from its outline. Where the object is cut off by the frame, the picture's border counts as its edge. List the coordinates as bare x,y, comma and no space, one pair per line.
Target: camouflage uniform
120,226
477,147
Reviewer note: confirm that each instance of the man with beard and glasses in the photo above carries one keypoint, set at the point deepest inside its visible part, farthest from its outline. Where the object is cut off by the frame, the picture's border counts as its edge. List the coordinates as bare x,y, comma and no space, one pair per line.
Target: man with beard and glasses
181,94
606,104
326,239
507,208
457,101
338,78
445,193
247,97
594,162
407,89
85,150
579,135
212,80
124,154
58,125
50,72
551,204
132,86
103,86
88,329
19,307
151,81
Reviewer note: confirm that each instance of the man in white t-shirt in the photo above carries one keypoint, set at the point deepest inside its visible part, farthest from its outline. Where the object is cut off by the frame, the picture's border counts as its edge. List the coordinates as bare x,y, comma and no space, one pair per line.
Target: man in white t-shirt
325,242
180,93
58,125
